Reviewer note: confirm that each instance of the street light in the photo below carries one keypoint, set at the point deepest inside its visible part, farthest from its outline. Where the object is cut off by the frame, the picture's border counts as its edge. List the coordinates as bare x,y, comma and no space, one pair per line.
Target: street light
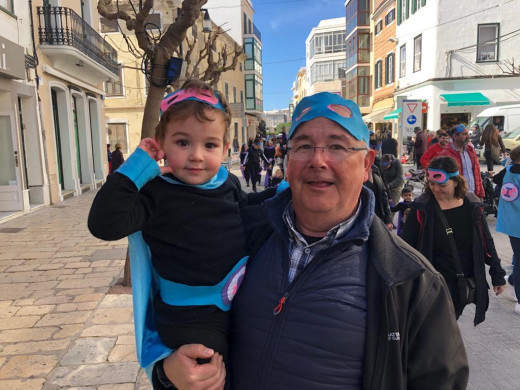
206,22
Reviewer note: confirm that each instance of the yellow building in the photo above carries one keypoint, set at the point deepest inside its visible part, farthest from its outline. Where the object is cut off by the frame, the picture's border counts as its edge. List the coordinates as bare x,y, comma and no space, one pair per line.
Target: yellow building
126,98
300,86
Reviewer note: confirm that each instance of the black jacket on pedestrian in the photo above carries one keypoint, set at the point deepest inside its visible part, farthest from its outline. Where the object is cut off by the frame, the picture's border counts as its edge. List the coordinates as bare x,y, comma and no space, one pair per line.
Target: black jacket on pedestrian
389,146
377,186
117,160
418,231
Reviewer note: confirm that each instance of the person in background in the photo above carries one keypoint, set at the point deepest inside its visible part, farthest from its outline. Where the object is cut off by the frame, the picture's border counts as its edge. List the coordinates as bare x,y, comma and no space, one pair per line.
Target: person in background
276,179
375,145
447,213
498,121
376,184
269,152
392,172
509,217
235,144
117,158
403,208
435,149
245,172
421,143
389,145
491,138
252,164
331,299
466,158
109,158
476,133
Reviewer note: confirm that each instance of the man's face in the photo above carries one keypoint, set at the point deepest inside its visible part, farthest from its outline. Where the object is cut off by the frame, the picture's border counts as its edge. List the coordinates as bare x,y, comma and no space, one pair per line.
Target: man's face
462,138
321,186
443,140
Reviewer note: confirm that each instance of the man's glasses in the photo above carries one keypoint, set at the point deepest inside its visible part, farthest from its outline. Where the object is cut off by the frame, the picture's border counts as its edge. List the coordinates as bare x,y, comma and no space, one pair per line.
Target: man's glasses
332,152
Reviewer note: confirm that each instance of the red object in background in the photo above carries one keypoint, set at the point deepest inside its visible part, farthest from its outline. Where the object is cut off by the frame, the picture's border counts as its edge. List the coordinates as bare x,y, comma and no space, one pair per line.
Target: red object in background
424,107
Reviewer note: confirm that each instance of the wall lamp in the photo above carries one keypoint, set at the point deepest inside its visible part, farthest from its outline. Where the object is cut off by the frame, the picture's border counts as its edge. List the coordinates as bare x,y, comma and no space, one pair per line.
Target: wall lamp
206,22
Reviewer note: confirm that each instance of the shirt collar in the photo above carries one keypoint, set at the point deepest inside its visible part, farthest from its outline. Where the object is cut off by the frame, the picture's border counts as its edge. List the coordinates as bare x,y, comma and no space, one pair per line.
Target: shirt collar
332,235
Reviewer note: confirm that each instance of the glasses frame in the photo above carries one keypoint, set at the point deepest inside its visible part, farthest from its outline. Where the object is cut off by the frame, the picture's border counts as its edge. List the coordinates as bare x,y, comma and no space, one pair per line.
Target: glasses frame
350,149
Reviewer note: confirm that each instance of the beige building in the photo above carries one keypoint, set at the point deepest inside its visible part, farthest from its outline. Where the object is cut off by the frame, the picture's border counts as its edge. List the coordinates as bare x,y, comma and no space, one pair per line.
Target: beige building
299,86
74,60
126,98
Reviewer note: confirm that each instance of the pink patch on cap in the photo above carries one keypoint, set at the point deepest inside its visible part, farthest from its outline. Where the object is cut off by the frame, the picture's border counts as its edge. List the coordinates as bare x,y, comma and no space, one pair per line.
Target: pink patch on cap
340,110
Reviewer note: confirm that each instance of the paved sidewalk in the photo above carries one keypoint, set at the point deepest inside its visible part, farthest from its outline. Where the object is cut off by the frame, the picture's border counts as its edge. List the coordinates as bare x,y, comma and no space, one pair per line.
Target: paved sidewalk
59,329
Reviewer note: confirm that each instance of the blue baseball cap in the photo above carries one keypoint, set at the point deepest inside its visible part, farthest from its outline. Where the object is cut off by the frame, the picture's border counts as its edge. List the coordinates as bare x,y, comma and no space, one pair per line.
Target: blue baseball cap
344,112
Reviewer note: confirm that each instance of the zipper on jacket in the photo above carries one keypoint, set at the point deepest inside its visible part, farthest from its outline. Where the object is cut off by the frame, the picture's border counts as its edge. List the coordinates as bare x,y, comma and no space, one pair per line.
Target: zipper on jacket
279,307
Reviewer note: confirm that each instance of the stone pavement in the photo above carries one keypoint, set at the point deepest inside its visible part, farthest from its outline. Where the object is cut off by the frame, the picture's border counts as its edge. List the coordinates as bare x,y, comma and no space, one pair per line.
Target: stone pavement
59,329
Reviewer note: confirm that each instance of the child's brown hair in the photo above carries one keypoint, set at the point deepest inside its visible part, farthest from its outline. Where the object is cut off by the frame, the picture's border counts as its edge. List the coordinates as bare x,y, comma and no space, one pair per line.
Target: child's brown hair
184,109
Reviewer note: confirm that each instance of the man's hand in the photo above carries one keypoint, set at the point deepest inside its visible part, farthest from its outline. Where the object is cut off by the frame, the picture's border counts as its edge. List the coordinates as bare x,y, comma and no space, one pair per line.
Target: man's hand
154,150
185,373
390,226
499,289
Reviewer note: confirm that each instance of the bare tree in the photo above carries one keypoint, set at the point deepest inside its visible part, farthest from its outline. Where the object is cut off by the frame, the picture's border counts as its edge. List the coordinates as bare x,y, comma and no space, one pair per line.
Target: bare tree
158,51
510,67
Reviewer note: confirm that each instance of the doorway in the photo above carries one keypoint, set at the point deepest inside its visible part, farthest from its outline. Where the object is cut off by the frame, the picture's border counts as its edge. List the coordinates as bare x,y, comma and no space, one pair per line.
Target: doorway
10,181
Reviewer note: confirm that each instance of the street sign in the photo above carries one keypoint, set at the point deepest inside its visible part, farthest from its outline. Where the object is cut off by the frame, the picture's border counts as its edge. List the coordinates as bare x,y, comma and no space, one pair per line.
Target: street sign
424,107
412,117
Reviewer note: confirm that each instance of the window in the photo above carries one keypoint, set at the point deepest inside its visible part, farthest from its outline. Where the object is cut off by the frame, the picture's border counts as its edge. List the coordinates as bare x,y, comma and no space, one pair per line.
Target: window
241,96
487,42
402,10
117,135
234,94
378,75
245,23
417,48
249,25
332,42
379,27
108,26
402,61
390,16
226,91
7,5
417,4
326,70
389,68
115,88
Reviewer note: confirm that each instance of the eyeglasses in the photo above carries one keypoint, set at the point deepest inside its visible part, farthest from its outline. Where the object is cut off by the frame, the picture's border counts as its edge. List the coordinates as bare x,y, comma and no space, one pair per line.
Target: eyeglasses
333,152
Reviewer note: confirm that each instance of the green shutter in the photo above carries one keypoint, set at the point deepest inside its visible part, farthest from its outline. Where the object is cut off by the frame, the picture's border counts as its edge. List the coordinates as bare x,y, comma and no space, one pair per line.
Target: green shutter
398,12
407,8
413,7
423,3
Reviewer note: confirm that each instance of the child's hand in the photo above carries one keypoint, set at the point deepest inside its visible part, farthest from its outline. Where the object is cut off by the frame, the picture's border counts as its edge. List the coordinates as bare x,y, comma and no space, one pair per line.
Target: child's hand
150,146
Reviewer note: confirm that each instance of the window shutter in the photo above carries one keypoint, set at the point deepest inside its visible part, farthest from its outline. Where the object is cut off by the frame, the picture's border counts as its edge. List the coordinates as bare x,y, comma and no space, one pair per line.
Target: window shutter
423,3
399,12
414,6
407,8
386,70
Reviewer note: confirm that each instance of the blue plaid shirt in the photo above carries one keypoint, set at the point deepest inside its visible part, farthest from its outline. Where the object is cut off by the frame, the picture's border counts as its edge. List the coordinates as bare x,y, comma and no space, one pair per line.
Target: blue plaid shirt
301,253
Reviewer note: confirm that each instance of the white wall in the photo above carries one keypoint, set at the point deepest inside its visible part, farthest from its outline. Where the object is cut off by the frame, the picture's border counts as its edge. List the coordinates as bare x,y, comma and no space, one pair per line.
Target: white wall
231,13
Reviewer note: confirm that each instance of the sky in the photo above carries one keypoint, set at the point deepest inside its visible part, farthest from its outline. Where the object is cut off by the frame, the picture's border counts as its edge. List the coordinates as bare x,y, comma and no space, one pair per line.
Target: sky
285,25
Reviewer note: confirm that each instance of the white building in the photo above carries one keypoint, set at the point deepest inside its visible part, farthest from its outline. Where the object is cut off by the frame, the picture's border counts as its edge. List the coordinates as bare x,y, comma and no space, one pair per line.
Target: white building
274,117
325,55
453,54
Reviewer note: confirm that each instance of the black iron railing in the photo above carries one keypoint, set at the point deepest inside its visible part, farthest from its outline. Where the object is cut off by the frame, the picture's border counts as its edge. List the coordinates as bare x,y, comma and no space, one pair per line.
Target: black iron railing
62,26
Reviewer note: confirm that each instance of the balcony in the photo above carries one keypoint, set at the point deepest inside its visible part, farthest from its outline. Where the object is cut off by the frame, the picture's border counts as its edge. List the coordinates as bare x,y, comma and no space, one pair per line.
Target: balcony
74,47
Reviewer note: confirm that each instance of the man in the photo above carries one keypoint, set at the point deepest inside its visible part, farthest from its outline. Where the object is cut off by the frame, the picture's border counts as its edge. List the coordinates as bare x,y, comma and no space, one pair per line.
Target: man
435,149
464,153
331,299
421,143
389,145
252,163
392,172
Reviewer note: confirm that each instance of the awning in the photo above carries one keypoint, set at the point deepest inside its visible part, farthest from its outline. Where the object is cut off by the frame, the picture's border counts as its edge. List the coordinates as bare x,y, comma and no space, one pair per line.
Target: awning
376,116
393,115
466,99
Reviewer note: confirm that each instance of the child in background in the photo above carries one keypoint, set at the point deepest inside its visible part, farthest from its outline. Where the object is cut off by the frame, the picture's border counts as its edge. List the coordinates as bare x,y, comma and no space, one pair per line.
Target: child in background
186,212
403,207
508,216
276,179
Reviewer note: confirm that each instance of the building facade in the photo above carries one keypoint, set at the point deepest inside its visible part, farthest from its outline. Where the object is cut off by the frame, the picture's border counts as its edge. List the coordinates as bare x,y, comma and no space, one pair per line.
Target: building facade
24,182
299,86
325,56
236,17
274,117
450,51
382,56
74,60
356,81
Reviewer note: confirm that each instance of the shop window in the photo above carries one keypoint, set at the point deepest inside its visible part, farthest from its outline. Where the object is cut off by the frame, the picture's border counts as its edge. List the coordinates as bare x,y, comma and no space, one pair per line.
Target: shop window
378,72
402,61
115,88
117,134
417,51
379,27
389,69
390,16
487,42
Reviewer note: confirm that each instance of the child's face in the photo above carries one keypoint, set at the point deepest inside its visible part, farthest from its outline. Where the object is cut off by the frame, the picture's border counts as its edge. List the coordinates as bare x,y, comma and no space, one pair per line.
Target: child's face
407,196
278,174
194,149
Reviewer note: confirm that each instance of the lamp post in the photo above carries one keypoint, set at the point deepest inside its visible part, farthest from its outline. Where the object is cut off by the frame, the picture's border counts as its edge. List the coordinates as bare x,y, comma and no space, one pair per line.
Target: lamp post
206,22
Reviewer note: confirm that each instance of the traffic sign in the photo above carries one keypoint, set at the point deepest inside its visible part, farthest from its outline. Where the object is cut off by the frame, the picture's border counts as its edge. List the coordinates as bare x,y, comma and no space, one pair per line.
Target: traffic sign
412,117
424,107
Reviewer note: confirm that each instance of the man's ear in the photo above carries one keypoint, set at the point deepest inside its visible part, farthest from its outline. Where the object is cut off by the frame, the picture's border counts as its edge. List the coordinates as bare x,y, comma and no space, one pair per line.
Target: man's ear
369,161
